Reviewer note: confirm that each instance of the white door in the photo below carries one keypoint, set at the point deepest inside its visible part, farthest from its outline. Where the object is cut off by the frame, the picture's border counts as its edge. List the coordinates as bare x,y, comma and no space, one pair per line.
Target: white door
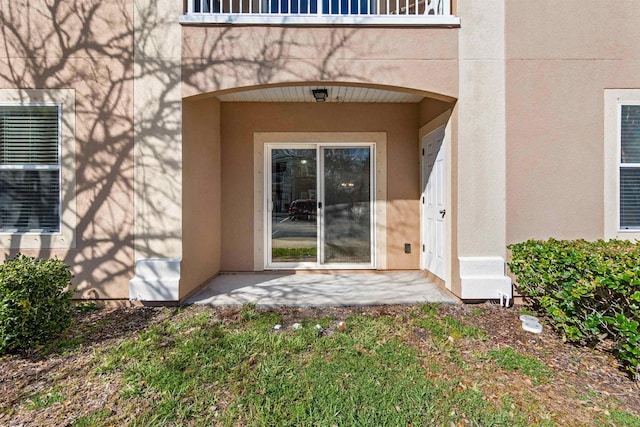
433,203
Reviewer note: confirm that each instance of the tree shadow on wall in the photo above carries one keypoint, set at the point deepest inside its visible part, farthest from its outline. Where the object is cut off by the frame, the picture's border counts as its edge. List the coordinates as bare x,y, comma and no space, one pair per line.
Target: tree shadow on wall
93,46
213,61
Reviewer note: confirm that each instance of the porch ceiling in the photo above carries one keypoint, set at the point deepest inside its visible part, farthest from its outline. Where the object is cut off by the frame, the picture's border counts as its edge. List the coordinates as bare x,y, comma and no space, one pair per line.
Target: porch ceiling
335,94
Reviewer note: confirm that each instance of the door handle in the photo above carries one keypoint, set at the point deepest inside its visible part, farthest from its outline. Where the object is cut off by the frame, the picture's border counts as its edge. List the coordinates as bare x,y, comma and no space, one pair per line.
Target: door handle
442,212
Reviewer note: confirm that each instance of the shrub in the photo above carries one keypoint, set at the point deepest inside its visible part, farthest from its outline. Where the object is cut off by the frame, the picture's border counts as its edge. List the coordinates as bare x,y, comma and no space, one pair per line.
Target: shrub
34,304
588,290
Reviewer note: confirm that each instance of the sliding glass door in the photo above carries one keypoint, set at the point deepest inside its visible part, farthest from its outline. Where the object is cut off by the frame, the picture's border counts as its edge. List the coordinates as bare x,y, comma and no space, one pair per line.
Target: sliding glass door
294,218
346,235
319,206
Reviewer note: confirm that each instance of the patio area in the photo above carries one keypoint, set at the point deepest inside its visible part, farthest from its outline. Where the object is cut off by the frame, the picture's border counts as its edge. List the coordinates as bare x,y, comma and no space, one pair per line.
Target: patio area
321,289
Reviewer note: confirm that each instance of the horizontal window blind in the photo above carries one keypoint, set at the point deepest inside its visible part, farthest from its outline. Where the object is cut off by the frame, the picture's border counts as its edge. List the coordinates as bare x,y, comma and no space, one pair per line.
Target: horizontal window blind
629,198
630,134
29,168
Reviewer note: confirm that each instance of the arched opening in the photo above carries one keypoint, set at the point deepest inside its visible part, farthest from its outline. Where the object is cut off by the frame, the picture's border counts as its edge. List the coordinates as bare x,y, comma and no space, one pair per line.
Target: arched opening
249,204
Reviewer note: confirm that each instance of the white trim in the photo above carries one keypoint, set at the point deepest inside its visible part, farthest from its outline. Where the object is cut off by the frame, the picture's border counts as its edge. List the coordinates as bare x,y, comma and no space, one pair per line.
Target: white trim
613,101
260,139
36,167
267,207
332,20
622,165
66,102
484,278
30,167
156,279
268,203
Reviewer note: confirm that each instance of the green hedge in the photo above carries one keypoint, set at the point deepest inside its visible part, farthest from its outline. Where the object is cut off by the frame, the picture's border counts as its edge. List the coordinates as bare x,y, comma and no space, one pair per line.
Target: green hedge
589,290
34,301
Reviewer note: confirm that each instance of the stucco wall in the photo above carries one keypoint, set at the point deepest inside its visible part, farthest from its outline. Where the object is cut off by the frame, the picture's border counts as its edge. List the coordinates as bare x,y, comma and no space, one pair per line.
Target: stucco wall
418,58
89,50
239,121
480,128
560,58
429,109
158,131
201,194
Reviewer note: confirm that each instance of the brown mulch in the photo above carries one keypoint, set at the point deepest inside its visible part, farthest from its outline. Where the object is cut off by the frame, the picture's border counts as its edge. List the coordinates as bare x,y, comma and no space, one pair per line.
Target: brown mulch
585,382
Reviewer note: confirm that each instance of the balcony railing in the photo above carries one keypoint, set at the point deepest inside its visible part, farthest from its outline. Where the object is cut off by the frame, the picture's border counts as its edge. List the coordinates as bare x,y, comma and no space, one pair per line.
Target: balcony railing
348,12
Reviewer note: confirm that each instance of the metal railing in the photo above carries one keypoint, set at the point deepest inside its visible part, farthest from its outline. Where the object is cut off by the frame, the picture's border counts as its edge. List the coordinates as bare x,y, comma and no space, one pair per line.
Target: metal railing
321,8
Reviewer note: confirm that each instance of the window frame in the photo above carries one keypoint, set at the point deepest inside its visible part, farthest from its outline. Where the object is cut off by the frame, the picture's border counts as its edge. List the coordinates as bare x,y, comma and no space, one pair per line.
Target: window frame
64,238
49,167
623,165
615,99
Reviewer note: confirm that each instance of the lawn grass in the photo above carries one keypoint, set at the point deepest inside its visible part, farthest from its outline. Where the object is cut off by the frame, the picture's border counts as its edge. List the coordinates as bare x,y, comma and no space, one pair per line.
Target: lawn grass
202,372
512,360
44,399
409,369
294,252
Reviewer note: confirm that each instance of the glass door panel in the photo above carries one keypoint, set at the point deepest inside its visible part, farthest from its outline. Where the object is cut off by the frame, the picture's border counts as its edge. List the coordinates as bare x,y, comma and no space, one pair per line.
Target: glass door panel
347,205
294,222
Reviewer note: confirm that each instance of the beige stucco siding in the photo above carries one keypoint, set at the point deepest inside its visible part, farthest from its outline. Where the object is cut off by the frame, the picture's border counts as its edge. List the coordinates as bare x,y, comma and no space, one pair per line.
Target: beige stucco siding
479,205
201,194
573,29
561,56
419,58
241,120
89,51
452,252
429,109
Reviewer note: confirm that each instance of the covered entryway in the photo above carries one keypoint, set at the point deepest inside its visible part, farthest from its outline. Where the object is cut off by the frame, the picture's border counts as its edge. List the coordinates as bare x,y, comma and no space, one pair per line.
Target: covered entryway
296,184
319,210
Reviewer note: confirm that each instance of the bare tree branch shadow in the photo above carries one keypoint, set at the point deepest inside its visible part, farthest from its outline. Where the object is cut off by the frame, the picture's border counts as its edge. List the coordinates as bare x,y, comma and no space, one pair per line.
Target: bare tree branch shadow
91,46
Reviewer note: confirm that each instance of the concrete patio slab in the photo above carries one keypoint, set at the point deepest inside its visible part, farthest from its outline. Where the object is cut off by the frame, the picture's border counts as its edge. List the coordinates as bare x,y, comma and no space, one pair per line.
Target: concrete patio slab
311,289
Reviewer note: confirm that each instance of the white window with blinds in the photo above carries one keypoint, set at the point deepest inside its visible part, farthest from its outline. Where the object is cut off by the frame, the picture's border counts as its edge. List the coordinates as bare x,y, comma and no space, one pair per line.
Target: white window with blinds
629,167
622,164
30,179
38,169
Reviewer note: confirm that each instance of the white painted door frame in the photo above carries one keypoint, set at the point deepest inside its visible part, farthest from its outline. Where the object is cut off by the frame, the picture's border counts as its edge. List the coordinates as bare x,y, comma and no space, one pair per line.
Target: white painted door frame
268,205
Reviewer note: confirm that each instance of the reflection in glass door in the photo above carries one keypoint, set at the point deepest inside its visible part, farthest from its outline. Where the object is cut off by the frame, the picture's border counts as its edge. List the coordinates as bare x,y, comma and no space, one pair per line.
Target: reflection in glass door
347,205
294,221
320,206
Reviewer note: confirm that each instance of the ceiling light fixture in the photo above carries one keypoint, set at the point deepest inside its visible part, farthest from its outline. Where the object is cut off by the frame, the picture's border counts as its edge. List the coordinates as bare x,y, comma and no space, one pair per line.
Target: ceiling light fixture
320,94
